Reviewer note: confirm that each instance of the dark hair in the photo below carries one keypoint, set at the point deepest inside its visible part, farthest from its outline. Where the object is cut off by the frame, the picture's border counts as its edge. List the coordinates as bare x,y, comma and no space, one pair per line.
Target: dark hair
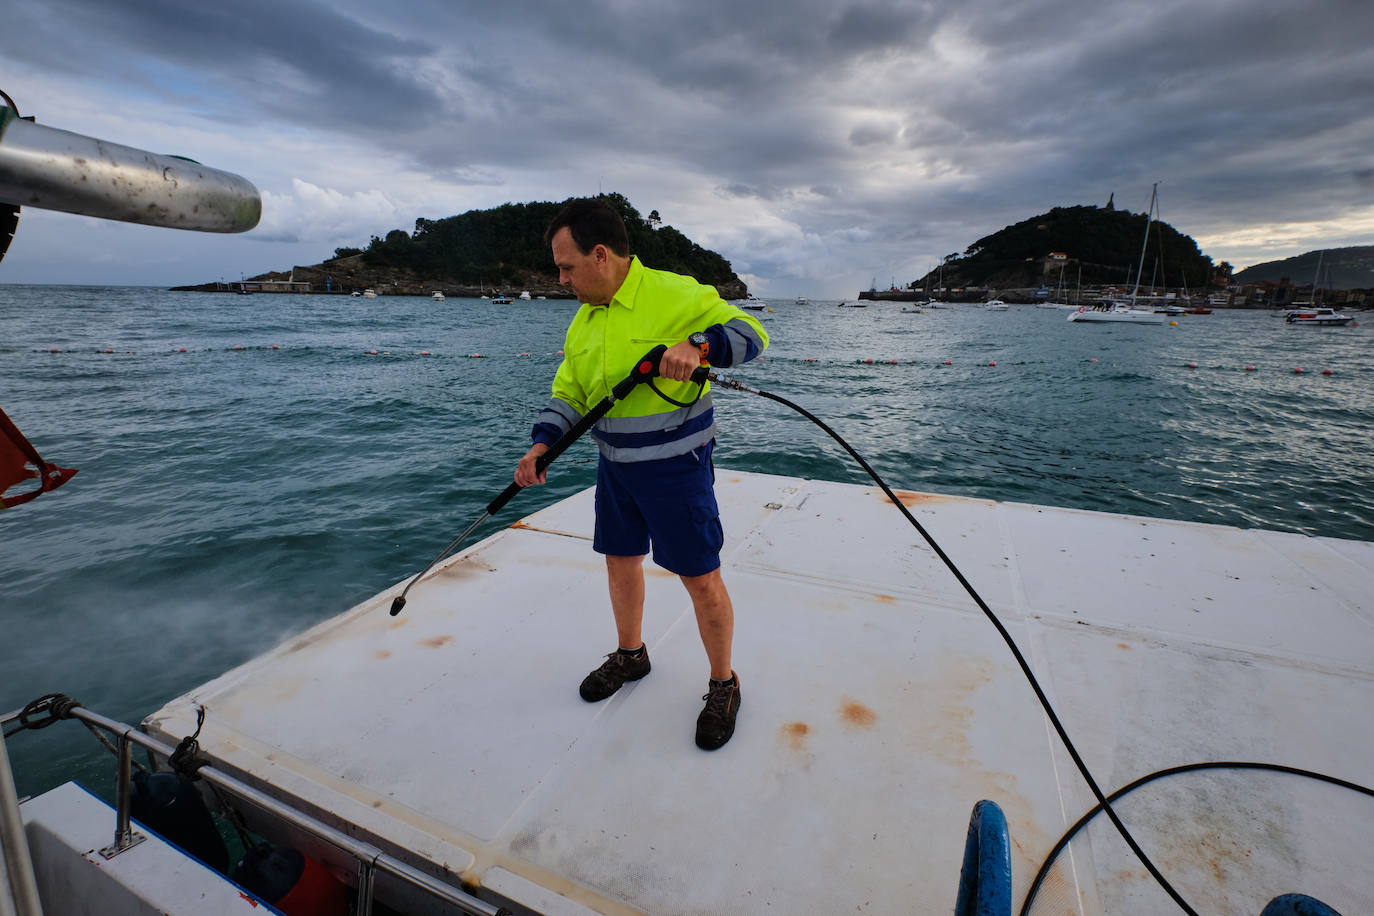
592,222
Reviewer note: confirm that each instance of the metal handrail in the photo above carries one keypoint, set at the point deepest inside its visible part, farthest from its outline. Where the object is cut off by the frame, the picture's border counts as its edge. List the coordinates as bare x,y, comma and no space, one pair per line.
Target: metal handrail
21,887
370,859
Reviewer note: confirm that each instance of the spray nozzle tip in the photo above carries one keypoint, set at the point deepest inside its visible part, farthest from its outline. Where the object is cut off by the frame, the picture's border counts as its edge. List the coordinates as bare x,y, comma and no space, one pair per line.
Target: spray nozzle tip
397,604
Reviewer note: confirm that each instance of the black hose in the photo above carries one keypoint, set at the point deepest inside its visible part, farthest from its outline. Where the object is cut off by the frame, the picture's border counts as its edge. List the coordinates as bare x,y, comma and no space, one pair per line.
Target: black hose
1102,800
1159,774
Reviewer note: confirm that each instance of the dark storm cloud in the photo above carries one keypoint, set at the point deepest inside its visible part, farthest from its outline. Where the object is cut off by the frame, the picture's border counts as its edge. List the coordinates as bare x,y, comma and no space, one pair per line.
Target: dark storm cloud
302,61
865,27
903,129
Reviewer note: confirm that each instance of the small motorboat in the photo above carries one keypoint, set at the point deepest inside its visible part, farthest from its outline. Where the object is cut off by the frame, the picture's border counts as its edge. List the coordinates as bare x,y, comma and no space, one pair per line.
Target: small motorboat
1324,317
437,295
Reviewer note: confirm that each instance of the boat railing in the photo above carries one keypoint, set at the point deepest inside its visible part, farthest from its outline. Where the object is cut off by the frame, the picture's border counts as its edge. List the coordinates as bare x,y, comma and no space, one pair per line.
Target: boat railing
19,890
369,859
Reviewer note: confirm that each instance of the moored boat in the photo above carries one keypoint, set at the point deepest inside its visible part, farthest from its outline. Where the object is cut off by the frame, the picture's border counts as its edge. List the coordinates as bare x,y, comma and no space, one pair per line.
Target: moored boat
1321,317
1108,311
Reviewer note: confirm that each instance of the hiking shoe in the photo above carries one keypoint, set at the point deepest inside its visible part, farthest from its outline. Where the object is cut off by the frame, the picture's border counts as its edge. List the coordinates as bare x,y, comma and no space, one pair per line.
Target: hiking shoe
716,723
618,668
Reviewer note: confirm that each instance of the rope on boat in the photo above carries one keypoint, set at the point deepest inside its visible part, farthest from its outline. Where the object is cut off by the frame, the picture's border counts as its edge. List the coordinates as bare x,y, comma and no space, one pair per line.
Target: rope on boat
53,707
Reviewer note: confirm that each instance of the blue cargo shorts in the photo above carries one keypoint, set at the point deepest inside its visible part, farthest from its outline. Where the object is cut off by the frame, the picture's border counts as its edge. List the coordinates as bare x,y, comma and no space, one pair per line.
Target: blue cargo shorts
669,504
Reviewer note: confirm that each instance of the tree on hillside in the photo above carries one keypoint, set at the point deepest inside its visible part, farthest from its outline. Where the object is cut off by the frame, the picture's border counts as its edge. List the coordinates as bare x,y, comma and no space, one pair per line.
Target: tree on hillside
1105,242
506,243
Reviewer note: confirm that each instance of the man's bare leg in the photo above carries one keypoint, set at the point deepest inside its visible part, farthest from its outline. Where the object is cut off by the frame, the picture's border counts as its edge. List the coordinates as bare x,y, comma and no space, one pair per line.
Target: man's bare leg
715,619
631,661
626,578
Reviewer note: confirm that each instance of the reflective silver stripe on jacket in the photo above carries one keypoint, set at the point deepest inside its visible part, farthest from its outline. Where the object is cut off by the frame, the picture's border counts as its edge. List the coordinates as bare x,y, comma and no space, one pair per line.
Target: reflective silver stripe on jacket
657,421
739,332
665,450
559,413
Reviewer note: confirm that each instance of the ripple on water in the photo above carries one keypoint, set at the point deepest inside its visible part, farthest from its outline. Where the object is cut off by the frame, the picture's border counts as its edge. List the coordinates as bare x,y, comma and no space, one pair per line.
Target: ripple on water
229,497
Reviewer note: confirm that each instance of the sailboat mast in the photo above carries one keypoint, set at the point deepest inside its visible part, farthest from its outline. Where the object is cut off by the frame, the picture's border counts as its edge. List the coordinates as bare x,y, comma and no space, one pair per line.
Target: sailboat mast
1316,278
1146,241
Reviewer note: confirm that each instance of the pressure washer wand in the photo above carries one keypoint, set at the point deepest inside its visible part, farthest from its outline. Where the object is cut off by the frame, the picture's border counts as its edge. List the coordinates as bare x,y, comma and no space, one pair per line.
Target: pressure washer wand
644,370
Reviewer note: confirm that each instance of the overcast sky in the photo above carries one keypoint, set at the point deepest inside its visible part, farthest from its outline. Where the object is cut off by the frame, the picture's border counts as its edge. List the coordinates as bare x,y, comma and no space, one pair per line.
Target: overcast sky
816,145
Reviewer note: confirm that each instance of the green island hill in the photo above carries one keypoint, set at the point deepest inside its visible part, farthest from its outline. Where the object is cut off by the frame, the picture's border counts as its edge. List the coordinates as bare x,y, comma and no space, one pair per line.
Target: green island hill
484,252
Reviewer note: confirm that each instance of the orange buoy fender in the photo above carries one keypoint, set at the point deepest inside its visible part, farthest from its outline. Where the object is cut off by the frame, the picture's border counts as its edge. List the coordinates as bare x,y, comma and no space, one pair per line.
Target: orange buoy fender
292,881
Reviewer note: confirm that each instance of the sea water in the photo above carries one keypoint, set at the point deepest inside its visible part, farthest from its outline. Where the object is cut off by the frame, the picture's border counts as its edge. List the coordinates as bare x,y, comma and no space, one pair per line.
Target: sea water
252,465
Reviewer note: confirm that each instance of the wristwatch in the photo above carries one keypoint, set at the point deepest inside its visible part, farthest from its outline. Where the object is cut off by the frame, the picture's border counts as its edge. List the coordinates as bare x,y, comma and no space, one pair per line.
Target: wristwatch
701,342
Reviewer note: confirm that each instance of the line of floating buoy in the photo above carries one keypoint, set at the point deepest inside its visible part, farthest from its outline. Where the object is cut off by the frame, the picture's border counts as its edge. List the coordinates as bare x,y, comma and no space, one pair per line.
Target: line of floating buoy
1191,365
1297,370
99,350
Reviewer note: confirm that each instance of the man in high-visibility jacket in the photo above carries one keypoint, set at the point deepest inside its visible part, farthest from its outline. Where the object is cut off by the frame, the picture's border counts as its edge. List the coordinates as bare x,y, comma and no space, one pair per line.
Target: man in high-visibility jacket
654,480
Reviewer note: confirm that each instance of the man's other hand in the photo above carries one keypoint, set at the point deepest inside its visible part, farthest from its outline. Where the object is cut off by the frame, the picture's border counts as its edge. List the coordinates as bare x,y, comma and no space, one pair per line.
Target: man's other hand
525,474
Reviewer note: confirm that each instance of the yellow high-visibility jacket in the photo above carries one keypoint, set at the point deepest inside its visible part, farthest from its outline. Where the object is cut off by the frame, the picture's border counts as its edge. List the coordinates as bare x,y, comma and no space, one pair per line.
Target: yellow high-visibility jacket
603,343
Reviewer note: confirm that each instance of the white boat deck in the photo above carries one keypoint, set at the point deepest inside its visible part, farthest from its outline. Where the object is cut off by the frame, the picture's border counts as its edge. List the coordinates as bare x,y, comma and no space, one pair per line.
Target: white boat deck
878,705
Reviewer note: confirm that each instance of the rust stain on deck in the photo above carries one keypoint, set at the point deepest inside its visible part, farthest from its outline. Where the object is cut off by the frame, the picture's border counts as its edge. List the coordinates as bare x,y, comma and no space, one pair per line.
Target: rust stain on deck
909,498
857,715
397,624
435,642
382,653
886,599
794,733
521,524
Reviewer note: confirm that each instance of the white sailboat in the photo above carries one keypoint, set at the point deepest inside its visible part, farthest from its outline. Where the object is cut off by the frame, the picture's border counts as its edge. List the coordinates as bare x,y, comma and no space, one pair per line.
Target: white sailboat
1114,311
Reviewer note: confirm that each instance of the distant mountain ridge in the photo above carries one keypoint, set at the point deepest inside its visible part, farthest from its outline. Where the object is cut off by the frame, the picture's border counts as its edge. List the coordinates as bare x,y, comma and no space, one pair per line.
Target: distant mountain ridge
1341,268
